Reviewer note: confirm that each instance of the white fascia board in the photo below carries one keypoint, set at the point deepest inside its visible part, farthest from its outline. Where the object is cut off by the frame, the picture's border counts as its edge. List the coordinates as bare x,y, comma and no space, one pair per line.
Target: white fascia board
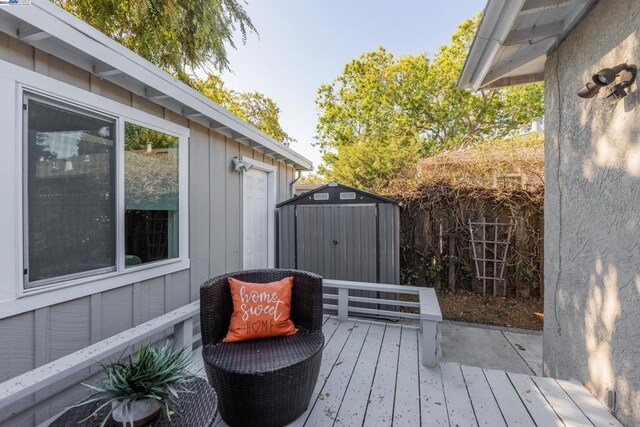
495,31
497,20
68,29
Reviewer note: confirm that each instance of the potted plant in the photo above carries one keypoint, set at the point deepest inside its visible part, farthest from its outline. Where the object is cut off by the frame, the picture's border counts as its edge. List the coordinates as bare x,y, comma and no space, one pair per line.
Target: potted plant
138,390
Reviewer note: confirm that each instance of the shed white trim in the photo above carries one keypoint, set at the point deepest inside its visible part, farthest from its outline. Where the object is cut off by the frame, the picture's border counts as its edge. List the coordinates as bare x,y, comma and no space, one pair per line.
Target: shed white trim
52,30
513,38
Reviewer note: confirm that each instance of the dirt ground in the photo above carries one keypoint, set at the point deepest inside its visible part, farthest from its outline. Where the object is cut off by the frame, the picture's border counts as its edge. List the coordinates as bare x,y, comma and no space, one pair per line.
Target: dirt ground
463,306
524,313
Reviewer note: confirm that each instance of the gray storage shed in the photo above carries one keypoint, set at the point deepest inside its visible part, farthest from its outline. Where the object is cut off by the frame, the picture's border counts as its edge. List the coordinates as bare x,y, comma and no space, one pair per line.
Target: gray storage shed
342,233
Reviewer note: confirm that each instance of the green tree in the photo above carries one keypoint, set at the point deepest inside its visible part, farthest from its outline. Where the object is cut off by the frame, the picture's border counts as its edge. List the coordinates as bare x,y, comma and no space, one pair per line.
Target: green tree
182,35
312,178
262,112
365,130
383,112
253,107
173,34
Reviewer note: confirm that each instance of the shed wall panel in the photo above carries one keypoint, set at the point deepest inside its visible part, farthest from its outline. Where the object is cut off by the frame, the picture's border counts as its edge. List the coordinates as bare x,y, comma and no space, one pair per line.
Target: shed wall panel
389,243
69,331
180,293
4,46
233,211
336,241
199,190
286,230
116,311
366,229
65,72
20,53
16,353
218,205
115,92
41,62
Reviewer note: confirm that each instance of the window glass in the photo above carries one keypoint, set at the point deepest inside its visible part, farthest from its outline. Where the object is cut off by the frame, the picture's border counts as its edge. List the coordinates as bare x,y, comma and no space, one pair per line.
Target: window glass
151,195
70,187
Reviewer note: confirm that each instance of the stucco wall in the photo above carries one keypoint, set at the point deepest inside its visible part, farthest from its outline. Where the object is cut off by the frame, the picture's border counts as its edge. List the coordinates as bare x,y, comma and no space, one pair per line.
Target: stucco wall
592,212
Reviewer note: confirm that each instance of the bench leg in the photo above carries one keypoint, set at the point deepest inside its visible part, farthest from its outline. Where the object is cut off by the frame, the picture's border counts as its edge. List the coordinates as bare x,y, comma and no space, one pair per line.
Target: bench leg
429,342
183,336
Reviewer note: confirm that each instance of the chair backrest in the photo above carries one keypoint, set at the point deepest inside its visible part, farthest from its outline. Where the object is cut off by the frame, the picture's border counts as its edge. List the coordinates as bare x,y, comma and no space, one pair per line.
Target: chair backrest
216,305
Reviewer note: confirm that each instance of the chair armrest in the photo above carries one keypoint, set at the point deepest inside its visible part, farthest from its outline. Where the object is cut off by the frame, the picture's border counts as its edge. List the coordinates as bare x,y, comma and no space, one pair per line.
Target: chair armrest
216,307
306,300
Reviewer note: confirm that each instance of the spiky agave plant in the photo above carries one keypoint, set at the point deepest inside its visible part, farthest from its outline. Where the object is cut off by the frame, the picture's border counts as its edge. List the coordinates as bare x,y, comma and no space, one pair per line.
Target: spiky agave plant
156,373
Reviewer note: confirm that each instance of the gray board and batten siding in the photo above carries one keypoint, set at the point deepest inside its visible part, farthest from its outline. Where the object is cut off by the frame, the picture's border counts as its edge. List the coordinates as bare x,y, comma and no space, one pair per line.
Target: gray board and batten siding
342,233
34,338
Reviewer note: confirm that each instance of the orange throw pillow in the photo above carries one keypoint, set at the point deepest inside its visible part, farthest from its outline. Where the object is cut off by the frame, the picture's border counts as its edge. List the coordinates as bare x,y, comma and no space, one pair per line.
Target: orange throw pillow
260,310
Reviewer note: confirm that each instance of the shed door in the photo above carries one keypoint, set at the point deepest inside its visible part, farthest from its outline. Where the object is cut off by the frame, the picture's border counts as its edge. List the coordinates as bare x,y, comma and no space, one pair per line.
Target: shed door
255,221
337,241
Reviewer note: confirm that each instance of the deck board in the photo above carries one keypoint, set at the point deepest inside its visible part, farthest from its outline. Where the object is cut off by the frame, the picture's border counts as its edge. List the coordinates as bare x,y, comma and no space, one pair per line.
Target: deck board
372,375
484,403
333,347
381,400
457,397
354,404
433,407
406,410
326,408
589,405
511,406
537,405
566,409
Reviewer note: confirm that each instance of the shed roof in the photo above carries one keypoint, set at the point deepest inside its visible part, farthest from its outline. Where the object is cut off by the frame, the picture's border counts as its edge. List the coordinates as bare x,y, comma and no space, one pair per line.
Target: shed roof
57,32
514,36
333,187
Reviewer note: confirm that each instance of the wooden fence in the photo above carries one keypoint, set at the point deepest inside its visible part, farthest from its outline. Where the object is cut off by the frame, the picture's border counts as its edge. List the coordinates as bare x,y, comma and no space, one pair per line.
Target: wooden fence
436,248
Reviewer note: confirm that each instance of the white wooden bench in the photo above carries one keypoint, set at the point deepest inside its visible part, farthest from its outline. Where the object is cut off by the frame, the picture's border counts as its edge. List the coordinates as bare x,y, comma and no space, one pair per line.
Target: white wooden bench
30,382
429,316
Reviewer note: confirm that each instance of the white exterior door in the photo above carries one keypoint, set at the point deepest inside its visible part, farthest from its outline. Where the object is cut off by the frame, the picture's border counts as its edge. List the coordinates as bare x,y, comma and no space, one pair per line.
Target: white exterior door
257,230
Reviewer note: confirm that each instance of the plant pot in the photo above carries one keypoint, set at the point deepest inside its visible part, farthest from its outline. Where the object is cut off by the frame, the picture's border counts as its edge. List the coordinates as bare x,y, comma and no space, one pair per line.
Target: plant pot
144,412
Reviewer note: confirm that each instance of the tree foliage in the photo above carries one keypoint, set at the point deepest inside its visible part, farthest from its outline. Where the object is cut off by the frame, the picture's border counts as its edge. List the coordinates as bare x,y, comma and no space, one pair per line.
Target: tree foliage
383,112
182,35
173,34
312,179
253,107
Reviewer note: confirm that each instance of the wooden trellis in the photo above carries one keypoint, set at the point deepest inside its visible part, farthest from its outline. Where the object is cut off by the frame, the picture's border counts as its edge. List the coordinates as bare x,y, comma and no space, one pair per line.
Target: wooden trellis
490,243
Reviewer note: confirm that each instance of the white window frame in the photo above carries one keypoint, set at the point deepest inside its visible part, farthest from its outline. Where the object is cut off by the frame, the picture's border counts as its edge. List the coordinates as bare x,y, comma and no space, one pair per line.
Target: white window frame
272,180
14,298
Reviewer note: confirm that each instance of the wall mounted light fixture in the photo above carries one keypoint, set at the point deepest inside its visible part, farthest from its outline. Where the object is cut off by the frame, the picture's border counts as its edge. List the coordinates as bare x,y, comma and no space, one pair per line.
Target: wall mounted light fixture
624,74
241,165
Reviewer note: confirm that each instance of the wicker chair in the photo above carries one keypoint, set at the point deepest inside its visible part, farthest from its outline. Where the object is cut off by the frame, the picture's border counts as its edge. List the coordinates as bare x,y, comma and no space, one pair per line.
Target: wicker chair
265,382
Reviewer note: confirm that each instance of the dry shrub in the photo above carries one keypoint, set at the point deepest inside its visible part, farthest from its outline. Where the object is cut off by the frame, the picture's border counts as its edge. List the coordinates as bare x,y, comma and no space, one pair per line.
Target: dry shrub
487,164
470,184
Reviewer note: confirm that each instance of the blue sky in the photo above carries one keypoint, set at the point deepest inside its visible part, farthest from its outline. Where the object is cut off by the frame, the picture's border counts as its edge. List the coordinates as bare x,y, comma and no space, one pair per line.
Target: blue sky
305,43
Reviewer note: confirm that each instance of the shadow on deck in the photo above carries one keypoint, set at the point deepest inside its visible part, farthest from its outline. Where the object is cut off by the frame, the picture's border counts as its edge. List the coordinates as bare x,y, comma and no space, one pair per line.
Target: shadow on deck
372,374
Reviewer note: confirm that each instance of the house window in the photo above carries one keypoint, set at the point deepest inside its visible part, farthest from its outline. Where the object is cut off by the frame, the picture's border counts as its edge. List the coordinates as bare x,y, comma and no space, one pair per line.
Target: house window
151,195
101,193
70,179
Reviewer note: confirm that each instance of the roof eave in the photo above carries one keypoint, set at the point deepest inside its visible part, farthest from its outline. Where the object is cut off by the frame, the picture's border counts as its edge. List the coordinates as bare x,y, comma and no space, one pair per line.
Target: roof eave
495,32
52,30
497,19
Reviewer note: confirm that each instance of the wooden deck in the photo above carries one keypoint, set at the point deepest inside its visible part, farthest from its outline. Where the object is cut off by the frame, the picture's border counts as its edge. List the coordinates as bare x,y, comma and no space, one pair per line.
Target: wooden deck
372,375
